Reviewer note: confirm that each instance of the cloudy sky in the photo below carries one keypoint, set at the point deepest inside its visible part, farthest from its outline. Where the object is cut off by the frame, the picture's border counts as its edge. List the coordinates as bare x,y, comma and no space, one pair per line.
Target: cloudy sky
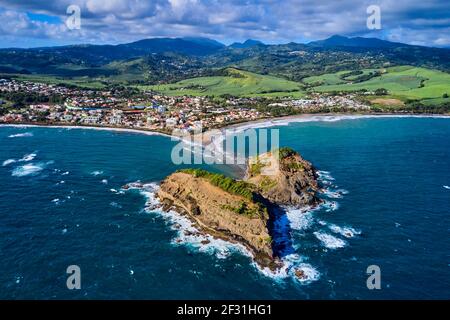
31,23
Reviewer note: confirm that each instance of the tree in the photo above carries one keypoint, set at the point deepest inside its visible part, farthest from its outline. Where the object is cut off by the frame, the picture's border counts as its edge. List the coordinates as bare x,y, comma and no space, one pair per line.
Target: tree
381,92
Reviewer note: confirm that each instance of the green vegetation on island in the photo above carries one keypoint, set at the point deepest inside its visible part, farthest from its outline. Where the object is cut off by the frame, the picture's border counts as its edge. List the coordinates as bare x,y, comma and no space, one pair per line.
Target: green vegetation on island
240,188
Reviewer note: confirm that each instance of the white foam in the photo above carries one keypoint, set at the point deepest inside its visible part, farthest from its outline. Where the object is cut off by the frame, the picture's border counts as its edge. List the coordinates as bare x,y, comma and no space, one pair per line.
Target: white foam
330,206
104,181
7,162
324,175
329,241
334,194
310,273
291,264
21,135
28,169
347,232
96,173
65,173
28,157
57,201
300,219
447,187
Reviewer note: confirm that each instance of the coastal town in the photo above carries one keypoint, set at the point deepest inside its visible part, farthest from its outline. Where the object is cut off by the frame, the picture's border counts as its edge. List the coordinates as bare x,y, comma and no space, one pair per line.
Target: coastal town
146,110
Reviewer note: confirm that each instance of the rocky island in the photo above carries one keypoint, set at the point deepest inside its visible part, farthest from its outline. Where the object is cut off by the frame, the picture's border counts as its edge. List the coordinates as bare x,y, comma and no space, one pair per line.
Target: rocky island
242,211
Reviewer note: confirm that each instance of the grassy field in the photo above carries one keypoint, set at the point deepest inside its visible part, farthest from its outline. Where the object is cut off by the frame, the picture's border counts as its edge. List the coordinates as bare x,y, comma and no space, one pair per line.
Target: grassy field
83,82
236,83
327,79
404,82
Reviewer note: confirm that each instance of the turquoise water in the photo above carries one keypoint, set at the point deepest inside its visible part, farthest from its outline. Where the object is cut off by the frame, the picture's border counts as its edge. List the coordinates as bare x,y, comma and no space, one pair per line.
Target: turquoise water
61,204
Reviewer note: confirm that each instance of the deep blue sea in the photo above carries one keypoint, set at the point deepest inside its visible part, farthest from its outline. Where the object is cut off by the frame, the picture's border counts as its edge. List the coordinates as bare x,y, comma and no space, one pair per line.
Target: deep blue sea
61,204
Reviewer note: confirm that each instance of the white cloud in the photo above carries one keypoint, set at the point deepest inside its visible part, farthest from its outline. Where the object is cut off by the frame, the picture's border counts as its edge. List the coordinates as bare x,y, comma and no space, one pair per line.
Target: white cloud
415,21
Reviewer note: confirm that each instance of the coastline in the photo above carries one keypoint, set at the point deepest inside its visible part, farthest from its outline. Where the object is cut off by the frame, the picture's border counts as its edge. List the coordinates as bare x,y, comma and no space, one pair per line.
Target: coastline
90,127
237,127
312,117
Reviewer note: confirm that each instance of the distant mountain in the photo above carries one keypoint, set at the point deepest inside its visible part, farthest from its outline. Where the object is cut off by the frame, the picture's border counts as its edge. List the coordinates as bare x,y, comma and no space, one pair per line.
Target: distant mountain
189,46
205,41
341,41
247,44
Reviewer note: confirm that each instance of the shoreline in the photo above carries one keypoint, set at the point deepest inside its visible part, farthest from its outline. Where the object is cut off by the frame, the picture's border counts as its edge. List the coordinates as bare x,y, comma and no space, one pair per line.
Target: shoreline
329,117
90,127
252,124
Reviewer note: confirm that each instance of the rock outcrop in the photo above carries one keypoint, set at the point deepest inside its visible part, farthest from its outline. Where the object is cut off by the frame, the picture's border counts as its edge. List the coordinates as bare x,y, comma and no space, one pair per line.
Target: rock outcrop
284,178
240,211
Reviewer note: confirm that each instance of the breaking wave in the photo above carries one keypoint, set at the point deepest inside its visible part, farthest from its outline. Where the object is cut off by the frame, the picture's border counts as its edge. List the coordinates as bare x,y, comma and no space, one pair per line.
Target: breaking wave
28,157
329,241
330,206
334,194
25,158
7,162
21,135
293,267
29,169
300,219
347,232
324,175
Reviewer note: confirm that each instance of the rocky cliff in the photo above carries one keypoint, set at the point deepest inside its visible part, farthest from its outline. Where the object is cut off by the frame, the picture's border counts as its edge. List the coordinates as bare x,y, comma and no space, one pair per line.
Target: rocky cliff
284,178
222,207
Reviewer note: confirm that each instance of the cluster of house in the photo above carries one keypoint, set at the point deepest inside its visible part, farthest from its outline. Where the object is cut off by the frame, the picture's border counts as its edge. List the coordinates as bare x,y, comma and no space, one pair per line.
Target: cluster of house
104,108
317,102
149,110
153,117
12,85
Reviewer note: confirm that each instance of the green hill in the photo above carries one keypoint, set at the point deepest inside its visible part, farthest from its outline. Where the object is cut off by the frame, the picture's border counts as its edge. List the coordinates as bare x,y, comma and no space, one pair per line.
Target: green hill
233,82
406,82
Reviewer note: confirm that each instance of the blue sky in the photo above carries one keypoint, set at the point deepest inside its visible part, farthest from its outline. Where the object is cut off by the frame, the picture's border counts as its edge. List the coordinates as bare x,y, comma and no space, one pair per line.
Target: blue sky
31,23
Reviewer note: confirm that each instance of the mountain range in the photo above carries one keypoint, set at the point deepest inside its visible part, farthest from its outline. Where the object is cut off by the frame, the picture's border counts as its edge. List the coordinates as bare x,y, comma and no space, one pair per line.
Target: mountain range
167,59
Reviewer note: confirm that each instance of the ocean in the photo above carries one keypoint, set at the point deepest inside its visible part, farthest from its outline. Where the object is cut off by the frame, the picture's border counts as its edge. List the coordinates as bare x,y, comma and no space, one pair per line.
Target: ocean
387,204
